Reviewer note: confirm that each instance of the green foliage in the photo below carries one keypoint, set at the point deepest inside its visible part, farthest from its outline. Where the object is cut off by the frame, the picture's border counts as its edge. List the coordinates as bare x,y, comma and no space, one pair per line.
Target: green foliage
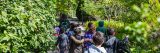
25,25
112,24
67,6
117,25
136,18
138,33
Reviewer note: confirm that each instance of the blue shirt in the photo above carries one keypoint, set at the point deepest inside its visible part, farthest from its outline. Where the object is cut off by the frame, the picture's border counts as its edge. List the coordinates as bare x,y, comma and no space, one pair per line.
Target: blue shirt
70,32
90,36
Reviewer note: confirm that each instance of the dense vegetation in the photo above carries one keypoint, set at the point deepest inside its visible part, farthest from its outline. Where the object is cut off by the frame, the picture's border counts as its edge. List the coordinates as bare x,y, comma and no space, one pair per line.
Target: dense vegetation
136,18
26,25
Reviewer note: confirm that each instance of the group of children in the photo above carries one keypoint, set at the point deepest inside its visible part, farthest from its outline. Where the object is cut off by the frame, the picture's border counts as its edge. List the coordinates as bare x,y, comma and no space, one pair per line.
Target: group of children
93,40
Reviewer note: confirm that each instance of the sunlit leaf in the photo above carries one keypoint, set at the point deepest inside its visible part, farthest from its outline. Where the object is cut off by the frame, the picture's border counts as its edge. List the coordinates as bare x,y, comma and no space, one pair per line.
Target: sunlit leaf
158,19
136,8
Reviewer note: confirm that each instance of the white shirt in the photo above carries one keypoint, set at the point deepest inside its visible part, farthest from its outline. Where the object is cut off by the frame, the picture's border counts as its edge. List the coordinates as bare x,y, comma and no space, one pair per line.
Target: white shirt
102,49
93,50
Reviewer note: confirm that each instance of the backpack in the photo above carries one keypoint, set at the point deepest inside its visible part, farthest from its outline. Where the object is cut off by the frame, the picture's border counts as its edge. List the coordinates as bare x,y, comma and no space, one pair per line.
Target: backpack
117,46
122,46
63,41
110,44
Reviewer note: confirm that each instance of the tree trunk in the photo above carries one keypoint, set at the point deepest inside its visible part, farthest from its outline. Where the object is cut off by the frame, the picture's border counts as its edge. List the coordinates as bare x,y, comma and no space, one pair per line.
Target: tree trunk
81,14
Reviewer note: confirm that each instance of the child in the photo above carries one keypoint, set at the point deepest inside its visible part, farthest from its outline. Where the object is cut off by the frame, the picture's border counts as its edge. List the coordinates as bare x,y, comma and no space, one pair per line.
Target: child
88,37
114,45
62,41
77,40
111,43
98,40
57,30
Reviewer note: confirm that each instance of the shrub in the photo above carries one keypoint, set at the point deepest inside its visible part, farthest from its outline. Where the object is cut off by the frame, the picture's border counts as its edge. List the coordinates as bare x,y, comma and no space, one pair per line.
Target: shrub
25,25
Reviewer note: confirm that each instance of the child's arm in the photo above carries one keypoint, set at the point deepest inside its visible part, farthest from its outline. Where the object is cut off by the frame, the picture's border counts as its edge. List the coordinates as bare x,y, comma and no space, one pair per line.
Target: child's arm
77,41
88,40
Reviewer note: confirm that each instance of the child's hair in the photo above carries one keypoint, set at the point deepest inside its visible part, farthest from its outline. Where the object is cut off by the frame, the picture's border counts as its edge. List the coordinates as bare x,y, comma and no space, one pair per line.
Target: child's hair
73,25
98,38
78,30
110,31
90,24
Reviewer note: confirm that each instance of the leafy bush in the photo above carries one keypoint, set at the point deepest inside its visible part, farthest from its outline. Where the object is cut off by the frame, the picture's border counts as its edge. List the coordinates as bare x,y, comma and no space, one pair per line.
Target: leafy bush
117,25
25,25
136,18
139,34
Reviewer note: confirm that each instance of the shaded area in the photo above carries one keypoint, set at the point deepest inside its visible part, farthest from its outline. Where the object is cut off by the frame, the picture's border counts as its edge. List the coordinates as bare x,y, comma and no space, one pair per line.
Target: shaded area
81,14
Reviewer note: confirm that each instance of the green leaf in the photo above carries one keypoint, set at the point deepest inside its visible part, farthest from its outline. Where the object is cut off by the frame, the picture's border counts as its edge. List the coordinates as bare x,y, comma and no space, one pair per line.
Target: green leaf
5,38
136,8
4,13
23,31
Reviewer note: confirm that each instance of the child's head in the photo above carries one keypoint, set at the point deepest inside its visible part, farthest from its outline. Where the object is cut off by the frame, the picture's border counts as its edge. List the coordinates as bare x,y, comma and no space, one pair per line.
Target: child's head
98,38
111,31
90,25
73,25
78,30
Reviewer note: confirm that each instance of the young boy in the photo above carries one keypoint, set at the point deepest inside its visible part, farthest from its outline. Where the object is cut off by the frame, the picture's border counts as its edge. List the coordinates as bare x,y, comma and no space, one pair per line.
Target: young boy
88,37
62,41
114,45
111,41
98,40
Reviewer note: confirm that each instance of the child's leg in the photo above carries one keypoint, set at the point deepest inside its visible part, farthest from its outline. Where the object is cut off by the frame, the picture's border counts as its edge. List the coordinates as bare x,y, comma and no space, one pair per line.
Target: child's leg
62,51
